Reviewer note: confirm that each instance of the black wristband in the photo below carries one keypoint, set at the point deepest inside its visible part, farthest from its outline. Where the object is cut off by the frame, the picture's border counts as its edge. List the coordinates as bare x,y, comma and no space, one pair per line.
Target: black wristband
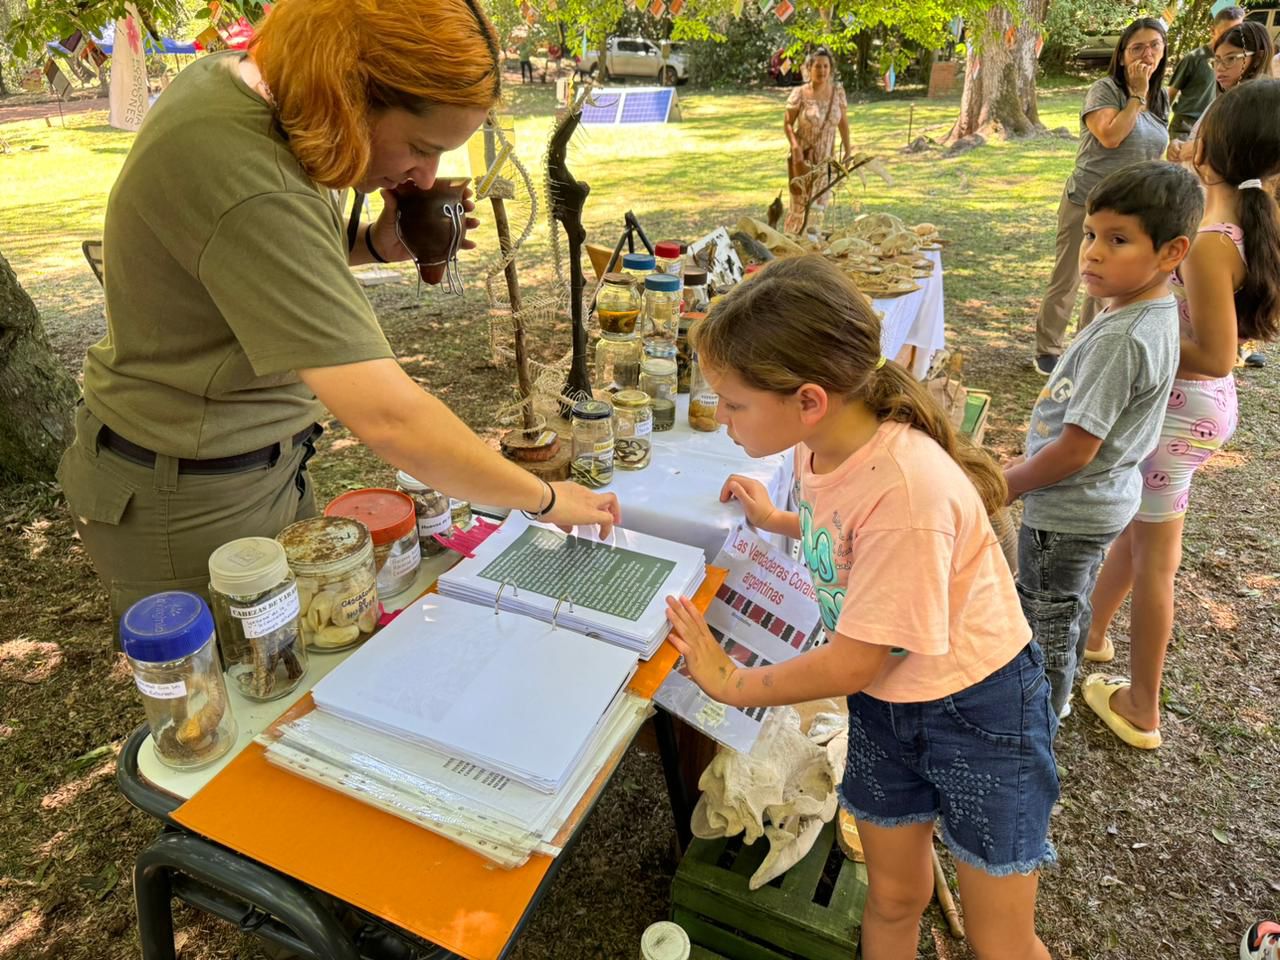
368,242
551,505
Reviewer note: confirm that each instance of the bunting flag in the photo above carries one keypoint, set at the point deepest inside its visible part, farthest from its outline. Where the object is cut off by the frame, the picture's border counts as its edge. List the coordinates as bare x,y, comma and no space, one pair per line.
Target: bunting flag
57,79
890,79
737,7
766,5
657,8
675,8
128,100
784,10
73,43
1010,36
1039,44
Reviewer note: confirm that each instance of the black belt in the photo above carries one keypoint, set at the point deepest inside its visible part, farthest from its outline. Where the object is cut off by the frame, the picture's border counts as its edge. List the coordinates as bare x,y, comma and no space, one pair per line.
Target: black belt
265,456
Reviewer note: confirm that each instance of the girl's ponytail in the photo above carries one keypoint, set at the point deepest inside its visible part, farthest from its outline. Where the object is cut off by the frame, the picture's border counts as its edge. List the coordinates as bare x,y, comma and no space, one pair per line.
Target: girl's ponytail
894,394
1258,301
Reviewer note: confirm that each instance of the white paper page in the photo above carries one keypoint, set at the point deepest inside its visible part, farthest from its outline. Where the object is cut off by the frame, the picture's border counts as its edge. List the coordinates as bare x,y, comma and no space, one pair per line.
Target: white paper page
471,682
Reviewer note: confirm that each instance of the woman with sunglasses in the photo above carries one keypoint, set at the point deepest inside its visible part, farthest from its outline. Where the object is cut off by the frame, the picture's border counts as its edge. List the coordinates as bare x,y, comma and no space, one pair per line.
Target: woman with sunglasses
1123,121
233,320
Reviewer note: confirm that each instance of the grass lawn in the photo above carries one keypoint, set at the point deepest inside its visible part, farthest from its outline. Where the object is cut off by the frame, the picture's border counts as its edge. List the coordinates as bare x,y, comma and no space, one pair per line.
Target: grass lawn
1172,852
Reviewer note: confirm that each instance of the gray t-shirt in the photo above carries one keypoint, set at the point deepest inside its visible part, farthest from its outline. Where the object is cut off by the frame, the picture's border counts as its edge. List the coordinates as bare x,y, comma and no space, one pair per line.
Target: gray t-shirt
1113,382
1148,140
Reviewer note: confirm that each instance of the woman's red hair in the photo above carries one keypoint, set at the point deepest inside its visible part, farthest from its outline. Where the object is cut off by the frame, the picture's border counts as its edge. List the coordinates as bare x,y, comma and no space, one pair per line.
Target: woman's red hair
331,64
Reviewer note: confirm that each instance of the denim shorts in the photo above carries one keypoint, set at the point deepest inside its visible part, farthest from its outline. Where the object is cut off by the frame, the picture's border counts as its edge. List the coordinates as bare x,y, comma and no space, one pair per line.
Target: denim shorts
981,760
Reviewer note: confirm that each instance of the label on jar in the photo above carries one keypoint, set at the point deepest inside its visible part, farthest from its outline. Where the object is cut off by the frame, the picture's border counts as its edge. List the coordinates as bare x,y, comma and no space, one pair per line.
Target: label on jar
268,616
354,606
399,564
161,691
643,428
430,526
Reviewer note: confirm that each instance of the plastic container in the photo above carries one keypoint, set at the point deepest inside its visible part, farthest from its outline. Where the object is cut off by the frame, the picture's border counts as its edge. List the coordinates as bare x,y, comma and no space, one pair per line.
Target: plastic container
169,641
632,427
669,259
695,296
592,443
393,526
703,401
461,510
638,265
665,940
658,378
332,559
618,304
255,605
433,511
617,364
661,323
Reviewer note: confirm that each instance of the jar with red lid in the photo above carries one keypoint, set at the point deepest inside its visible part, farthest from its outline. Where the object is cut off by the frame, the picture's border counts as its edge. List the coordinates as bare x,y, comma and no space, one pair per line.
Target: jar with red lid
393,527
669,258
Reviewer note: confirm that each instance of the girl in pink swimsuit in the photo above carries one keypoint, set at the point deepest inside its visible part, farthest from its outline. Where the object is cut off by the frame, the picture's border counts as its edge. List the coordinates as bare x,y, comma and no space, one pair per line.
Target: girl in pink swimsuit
1230,289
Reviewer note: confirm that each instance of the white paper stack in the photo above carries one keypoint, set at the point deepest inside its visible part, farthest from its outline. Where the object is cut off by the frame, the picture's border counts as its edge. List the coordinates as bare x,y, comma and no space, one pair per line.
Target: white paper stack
513,695
615,590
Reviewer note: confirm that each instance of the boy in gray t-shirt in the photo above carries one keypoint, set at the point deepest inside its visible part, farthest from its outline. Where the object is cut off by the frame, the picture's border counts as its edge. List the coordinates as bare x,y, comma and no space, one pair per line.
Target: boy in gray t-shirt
1101,411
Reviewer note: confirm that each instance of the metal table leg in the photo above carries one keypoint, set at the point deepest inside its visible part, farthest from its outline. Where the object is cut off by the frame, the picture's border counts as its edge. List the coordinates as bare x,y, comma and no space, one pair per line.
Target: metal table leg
681,805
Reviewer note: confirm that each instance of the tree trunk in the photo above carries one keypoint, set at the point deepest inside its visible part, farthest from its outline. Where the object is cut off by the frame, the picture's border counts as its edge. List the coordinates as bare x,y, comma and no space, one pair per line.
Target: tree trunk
37,396
1000,76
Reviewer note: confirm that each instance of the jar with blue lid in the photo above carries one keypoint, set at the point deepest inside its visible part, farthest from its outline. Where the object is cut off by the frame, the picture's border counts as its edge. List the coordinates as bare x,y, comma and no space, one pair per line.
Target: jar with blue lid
639,265
169,640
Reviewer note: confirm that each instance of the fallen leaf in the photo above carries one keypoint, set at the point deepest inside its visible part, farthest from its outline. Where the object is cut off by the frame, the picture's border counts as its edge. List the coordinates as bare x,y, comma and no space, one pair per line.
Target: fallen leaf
1221,836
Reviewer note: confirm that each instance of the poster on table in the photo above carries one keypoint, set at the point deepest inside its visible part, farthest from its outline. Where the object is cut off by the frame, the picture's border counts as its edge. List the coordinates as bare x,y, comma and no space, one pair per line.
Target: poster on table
128,101
765,612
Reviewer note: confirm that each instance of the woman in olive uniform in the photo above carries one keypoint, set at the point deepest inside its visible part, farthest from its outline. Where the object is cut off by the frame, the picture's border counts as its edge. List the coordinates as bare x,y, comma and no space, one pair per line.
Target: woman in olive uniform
233,319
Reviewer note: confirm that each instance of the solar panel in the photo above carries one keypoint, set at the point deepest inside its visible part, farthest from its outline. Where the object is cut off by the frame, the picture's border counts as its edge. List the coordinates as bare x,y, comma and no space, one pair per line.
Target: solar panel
630,105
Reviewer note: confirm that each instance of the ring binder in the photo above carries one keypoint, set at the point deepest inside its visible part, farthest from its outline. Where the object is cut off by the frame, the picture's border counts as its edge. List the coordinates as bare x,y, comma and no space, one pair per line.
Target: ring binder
556,612
515,591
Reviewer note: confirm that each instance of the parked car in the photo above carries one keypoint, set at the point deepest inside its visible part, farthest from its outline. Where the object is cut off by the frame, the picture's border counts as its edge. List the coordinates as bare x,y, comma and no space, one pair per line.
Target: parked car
1097,47
1269,17
663,61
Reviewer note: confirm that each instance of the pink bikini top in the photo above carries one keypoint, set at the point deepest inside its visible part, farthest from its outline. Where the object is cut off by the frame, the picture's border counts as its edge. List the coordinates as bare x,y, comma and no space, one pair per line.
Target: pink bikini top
1233,233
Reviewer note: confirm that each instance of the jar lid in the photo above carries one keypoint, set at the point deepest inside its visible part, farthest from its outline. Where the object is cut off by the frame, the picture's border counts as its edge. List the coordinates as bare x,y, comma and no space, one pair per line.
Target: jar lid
630,398
621,279
662,282
412,483
165,627
695,278
592,410
664,940
668,250
659,367
389,514
322,545
248,566
638,261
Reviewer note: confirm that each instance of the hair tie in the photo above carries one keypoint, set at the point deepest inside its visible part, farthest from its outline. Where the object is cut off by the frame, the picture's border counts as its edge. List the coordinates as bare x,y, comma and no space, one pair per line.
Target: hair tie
882,361
1250,185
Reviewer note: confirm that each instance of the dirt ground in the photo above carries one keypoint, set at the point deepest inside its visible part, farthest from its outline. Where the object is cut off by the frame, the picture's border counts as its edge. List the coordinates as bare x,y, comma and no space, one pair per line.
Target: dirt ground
1171,853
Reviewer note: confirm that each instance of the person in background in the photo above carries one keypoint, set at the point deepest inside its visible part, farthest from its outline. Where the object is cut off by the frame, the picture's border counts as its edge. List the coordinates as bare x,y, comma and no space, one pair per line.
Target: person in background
1101,410
1232,283
528,47
816,111
1122,122
893,518
1192,86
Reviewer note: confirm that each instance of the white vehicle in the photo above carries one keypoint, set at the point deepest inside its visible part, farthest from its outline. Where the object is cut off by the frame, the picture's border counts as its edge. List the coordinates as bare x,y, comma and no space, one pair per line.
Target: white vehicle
663,61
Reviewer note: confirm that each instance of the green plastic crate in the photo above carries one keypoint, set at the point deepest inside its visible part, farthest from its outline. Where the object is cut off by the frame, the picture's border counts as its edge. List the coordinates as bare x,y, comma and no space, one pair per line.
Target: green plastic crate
811,913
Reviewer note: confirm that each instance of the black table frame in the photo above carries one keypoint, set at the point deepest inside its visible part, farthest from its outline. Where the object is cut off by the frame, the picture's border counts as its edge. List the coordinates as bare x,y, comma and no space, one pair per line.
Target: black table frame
285,911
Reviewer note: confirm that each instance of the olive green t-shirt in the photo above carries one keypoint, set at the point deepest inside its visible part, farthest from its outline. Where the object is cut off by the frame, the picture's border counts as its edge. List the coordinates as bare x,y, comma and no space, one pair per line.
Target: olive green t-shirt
225,271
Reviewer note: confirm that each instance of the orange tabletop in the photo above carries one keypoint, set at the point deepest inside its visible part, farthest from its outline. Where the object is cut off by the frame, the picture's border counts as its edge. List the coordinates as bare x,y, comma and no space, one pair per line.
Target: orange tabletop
386,866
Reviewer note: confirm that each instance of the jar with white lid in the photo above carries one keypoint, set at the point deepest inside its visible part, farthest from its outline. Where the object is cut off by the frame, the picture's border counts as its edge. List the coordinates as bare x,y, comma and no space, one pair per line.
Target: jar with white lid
332,559
255,605
393,527
168,639
432,508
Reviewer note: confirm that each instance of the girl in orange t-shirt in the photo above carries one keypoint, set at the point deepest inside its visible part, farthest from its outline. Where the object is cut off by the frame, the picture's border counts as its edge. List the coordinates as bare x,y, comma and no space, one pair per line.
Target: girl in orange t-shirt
949,714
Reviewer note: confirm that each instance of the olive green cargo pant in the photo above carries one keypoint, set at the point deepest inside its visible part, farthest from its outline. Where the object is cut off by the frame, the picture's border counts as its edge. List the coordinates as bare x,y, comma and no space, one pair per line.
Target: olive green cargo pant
1064,284
149,529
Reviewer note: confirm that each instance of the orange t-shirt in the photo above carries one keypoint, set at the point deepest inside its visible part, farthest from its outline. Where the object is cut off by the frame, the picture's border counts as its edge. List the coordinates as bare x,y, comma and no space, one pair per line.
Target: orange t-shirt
899,531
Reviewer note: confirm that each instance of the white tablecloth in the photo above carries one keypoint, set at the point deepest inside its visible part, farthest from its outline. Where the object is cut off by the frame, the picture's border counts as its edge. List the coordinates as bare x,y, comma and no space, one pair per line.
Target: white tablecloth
916,319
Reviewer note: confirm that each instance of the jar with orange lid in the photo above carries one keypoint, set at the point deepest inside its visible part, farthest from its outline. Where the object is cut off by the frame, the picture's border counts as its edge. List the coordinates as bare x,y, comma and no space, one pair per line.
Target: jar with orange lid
393,527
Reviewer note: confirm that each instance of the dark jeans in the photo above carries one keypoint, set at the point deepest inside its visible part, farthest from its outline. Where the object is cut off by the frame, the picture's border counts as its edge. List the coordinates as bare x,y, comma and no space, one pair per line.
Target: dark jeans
1056,576
526,70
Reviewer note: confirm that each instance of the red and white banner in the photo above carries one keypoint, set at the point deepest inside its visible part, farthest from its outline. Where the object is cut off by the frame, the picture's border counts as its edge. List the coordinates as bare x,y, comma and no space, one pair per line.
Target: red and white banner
128,100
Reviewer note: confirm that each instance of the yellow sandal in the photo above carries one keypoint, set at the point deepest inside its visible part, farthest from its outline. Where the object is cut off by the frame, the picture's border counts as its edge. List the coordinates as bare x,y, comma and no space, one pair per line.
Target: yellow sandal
1098,689
1105,655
